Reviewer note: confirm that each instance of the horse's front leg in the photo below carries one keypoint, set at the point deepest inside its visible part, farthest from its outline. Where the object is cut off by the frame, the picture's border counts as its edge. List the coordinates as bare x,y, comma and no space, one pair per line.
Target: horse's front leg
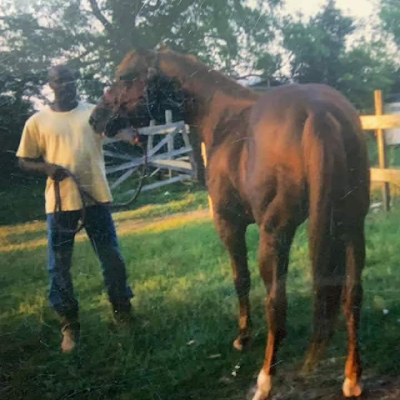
233,236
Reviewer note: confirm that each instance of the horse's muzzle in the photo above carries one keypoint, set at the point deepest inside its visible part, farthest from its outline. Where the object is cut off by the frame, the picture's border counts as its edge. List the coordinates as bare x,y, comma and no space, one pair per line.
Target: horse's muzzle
115,124
98,119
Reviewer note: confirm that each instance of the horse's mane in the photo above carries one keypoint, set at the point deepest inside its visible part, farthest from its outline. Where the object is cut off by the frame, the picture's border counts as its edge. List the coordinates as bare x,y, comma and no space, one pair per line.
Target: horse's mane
194,69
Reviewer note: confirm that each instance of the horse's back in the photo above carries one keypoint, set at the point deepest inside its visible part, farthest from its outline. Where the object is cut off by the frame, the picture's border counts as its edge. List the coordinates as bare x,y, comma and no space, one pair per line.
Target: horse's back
277,160
278,119
292,104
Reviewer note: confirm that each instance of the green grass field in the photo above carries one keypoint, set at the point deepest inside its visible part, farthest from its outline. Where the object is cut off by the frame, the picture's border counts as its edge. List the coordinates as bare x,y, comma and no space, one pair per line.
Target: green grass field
185,308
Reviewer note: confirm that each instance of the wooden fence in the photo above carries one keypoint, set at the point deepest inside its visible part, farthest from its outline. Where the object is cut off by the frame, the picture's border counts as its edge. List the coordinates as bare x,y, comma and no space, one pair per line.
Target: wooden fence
379,123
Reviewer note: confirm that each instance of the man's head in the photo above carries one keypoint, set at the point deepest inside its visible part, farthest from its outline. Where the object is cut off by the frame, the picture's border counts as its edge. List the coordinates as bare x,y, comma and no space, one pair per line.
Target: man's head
62,81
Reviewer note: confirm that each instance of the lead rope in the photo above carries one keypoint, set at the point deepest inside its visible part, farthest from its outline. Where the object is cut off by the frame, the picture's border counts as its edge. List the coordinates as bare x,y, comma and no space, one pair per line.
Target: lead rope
139,187
58,203
87,196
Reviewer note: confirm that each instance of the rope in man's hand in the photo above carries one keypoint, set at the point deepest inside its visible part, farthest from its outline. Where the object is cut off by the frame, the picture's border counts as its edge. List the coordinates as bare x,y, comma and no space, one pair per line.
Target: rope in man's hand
59,173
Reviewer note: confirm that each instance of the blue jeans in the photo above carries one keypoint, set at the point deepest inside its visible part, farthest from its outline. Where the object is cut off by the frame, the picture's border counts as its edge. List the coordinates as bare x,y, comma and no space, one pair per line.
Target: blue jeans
100,229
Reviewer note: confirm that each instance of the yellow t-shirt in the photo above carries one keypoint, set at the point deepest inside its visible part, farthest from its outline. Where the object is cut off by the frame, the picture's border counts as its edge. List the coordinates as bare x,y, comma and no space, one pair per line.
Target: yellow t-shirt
67,139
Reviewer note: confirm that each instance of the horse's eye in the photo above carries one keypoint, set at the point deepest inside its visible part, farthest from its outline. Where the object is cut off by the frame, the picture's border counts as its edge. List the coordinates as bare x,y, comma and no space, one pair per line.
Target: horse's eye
127,77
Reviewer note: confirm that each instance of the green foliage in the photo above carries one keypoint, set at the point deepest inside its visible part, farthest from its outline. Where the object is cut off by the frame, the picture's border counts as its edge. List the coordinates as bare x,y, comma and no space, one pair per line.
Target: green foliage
319,54
95,35
230,35
390,16
317,46
366,67
14,110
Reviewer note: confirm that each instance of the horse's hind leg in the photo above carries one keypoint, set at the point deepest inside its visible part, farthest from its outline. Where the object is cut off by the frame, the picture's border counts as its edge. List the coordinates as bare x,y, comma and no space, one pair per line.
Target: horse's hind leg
233,236
276,237
327,285
355,260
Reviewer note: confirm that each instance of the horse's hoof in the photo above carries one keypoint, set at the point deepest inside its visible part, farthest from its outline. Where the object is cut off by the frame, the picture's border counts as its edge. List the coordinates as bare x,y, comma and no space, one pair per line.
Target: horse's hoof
238,344
306,369
241,342
263,388
351,389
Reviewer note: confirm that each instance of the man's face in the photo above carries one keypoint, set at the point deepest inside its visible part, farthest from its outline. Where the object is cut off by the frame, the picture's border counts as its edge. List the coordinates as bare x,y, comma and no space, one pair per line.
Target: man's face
63,82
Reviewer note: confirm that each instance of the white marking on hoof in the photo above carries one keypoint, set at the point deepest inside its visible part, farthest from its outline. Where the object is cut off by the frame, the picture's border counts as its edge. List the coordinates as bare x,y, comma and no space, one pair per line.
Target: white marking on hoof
237,344
351,389
264,385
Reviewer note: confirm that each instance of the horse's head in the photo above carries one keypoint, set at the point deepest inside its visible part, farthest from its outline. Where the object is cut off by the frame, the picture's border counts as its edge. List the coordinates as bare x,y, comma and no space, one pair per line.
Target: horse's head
117,106
140,93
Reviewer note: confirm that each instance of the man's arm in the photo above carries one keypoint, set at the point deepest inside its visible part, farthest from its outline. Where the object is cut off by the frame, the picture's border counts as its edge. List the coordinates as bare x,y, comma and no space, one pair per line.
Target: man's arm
54,171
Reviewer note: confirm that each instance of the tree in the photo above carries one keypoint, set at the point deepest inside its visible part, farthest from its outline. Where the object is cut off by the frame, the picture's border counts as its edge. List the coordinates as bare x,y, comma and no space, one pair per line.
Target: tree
14,112
316,47
94,35
390,17
366,68
318,52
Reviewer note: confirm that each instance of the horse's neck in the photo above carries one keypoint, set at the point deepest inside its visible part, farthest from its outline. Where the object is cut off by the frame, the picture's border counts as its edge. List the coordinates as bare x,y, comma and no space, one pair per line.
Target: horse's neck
212,96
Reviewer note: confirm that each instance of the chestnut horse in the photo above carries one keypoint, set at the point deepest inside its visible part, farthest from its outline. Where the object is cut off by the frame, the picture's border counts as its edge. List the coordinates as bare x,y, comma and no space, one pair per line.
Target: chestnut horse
275,159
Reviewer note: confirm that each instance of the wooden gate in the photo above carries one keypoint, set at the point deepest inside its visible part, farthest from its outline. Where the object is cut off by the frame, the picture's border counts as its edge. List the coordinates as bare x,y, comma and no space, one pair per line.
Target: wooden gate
174,163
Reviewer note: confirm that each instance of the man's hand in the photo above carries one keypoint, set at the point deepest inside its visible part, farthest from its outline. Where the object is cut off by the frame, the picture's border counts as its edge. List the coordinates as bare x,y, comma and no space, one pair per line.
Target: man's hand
128,135
55,172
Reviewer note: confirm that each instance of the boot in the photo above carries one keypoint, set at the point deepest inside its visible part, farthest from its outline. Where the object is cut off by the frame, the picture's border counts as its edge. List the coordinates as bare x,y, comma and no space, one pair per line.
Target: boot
123,315
71,332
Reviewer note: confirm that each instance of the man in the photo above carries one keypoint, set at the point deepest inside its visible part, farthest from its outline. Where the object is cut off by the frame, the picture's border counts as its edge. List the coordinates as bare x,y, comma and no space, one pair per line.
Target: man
57,140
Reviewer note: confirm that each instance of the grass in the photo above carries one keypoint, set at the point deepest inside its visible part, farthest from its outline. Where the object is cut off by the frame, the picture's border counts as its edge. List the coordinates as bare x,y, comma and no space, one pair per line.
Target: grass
25,202
21,202
392,153
186,316
33,234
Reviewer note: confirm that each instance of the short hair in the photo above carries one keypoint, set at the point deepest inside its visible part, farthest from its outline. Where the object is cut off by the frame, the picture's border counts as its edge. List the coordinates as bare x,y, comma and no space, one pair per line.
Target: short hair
56,69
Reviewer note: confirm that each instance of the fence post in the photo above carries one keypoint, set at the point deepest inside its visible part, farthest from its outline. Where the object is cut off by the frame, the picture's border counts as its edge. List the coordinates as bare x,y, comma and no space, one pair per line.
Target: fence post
204,155
380,138
168,120
150,137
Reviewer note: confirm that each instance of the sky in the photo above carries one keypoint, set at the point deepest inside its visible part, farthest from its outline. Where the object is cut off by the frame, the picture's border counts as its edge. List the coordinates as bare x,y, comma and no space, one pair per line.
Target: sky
354,8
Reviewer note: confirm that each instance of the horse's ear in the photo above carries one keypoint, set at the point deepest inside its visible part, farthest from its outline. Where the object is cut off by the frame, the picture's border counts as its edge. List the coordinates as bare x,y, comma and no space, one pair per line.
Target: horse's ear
140,50
162,47
149,55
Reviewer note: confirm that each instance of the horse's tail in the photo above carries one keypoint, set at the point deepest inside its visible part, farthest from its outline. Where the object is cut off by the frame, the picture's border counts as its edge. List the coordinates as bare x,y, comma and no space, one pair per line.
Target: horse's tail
325,162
